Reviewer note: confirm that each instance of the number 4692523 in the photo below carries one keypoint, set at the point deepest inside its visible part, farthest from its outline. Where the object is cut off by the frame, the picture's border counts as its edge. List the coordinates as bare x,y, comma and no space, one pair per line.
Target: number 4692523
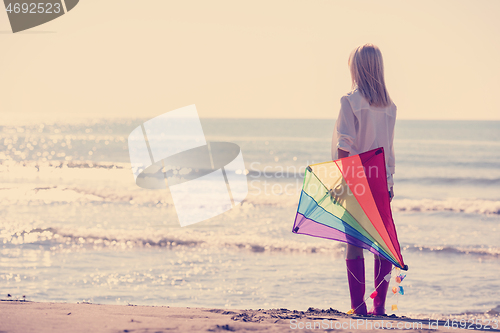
34,8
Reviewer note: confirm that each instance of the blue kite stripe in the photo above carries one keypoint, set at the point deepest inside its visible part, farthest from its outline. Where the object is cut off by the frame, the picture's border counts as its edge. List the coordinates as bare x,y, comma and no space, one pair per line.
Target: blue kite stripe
310,209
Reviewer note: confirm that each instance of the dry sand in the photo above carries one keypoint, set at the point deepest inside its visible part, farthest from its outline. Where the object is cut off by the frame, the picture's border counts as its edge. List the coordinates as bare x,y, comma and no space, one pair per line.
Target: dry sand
20,316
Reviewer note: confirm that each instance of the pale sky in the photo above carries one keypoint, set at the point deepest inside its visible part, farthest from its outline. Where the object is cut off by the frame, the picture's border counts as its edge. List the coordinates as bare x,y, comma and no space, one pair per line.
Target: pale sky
250,59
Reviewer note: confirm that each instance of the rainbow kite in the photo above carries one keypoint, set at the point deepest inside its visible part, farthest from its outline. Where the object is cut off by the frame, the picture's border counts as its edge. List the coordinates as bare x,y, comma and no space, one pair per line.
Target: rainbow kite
347,200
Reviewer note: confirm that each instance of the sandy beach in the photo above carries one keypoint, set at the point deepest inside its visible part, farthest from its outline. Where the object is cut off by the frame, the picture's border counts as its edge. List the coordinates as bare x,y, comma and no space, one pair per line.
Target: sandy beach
238,110
19,316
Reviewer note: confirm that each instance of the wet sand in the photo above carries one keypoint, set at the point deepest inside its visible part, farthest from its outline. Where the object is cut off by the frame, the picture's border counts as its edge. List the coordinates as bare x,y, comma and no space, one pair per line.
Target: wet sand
20,316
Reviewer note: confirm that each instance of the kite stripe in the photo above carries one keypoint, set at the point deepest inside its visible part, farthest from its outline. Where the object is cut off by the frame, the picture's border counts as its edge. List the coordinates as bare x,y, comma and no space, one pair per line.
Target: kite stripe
351,168
330,226
342,200
378,186
313,228
334,179
355,216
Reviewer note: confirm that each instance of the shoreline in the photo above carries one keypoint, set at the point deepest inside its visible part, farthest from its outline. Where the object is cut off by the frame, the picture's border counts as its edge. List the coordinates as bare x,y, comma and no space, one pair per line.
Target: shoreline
28,316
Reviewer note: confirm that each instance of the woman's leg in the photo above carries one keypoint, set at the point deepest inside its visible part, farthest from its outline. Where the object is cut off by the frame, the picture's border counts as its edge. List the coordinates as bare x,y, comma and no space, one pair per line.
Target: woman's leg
382,267
353,252
356,278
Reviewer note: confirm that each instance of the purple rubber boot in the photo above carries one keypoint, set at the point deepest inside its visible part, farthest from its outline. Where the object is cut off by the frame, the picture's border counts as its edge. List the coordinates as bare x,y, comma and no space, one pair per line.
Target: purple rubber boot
356,279
382,267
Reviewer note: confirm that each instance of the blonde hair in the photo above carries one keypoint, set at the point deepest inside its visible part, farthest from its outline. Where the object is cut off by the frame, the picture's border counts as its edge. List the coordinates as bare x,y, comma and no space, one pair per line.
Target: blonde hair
367,72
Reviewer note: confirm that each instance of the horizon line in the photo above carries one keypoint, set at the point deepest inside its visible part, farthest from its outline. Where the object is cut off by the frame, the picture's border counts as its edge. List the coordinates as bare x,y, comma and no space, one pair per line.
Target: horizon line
52,118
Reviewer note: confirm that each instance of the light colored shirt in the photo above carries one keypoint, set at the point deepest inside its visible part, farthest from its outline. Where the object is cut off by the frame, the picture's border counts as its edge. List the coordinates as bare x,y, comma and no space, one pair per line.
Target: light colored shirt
361,127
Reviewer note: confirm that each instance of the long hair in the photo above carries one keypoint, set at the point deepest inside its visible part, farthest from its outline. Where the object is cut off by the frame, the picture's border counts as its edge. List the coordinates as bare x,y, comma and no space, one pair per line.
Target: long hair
367,72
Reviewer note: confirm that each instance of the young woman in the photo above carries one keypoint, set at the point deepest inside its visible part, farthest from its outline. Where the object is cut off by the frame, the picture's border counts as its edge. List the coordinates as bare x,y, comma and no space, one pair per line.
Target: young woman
366,121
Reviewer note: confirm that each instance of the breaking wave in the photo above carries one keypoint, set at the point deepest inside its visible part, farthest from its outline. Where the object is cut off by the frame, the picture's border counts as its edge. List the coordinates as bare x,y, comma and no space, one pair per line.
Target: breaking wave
60,239
32,194
478,251
95,183
469,206
70,240
452,181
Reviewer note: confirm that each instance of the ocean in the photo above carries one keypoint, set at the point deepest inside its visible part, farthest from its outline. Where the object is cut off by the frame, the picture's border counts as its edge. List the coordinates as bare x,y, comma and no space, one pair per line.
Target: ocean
74,227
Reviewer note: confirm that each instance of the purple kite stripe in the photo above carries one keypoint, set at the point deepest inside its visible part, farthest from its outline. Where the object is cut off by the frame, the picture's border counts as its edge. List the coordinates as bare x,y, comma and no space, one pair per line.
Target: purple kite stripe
312,228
